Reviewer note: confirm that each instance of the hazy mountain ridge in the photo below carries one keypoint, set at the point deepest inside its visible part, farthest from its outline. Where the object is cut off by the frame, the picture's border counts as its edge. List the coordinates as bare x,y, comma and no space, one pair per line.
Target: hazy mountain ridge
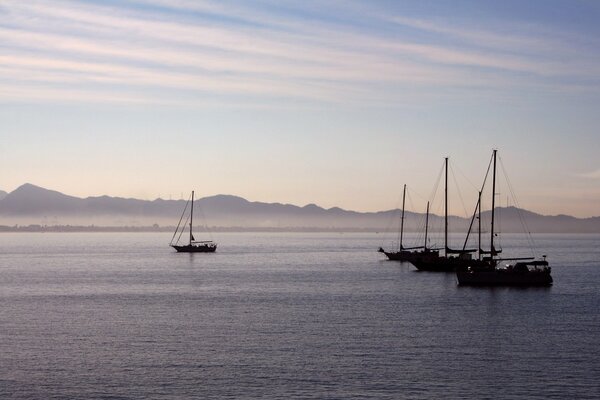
30,204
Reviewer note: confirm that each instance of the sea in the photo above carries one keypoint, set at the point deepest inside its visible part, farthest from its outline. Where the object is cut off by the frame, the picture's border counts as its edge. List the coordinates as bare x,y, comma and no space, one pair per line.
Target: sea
287,316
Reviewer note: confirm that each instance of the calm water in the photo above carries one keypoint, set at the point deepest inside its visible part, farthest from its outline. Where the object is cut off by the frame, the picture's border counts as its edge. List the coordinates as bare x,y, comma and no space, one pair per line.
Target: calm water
121,316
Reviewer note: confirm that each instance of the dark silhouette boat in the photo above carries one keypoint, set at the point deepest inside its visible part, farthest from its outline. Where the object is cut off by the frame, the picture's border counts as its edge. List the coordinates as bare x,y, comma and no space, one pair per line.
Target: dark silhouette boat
486,271
404,254
193,246
523,273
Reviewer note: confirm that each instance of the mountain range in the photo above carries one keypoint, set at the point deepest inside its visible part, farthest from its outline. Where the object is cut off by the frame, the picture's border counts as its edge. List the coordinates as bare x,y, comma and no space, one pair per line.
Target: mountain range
30,204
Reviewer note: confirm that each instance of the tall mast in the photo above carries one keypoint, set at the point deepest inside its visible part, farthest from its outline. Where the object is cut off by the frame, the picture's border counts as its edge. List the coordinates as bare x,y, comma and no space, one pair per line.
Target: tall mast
479,228
191,217
492,251
402,219
426,226
446,210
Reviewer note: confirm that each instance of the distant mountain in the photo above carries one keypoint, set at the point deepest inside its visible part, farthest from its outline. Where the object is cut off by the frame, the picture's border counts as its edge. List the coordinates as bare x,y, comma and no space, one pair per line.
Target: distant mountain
33,201
2,194
513,219
30,200
30,204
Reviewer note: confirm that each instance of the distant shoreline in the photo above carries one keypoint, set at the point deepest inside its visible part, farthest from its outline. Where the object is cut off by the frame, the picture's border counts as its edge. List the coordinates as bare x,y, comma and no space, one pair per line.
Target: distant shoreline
150,229
133,229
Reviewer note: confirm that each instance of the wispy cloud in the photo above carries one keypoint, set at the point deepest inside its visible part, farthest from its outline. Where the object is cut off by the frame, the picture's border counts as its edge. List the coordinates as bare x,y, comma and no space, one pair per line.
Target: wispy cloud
524,47
208,48
590,175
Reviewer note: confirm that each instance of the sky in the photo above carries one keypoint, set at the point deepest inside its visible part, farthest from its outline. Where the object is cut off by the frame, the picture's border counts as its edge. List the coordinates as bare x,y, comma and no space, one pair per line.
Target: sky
338,103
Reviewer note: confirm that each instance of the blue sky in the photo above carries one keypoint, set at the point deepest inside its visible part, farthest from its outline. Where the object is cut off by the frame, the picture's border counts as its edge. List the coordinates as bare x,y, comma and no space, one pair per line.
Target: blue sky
338,103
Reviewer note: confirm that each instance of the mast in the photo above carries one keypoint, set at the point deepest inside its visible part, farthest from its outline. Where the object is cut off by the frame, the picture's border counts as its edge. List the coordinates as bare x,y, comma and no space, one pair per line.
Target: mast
479,228
426,226
191,217
402,219
446,209
492,251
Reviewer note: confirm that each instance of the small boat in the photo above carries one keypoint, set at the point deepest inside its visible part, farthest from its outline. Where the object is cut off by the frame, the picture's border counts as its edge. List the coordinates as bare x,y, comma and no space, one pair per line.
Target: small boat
526,271
403,253
193,246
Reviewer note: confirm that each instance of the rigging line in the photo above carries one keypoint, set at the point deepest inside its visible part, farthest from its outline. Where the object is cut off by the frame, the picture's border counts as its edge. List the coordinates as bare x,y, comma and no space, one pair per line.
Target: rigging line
180,218
419,225
421,228
477,208
435,223
399,228
390,223
499,212
522,219
411,216
182,229
410,200
397,214
204,223
437,184
487,172
418,194
465,176
462,201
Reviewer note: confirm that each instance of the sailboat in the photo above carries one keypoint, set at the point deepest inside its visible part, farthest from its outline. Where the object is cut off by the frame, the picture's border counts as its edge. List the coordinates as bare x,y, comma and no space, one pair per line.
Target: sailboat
403,253
193,246
526,271
430,259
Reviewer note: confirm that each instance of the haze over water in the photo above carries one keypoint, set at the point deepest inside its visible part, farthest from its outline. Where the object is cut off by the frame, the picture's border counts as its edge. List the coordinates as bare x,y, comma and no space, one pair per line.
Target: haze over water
286,316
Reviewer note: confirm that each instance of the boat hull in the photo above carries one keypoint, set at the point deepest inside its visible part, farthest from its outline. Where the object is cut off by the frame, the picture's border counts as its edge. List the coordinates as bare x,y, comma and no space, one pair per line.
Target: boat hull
198,248
435,263
403,256
503,277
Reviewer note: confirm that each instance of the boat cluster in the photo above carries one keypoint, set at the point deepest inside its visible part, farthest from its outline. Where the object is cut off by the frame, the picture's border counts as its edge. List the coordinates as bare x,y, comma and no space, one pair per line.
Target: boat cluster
487,269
